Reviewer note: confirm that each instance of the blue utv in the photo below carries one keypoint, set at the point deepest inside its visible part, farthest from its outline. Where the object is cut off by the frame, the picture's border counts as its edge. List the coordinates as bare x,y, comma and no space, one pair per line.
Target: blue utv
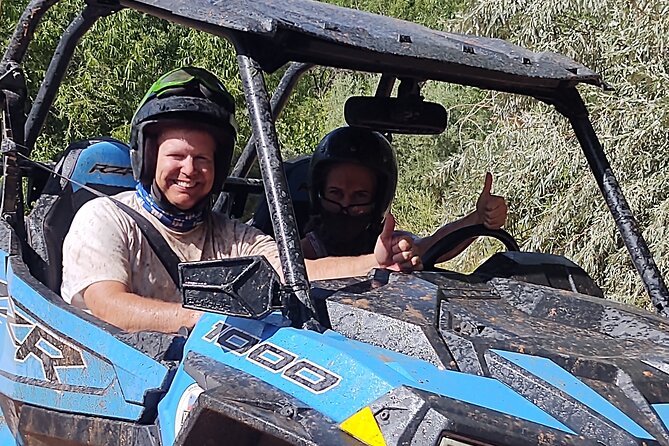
523,351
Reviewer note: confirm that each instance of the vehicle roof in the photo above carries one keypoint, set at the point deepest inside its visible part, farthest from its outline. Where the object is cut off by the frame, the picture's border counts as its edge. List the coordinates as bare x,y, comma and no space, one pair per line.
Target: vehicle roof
329,35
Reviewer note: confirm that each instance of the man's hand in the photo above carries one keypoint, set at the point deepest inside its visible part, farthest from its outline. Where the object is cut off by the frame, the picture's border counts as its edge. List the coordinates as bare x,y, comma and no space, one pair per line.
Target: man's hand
491,210
396,252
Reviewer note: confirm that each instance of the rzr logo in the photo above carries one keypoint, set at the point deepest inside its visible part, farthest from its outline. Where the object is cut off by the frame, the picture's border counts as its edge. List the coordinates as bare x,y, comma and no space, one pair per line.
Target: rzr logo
47,348
108,168
271,357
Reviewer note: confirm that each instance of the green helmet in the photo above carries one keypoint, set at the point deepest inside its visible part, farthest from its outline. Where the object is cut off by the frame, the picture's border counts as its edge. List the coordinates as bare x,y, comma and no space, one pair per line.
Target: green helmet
186,94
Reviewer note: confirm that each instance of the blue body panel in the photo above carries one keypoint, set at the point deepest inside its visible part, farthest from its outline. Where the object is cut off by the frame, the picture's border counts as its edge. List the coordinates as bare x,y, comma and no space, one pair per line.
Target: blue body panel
4,304
6,437
168,414
364,373
107,377
662,411
89,371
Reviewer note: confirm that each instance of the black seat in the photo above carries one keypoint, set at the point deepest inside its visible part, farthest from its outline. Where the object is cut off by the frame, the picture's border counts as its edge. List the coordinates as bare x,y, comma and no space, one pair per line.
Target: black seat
297,172
102,164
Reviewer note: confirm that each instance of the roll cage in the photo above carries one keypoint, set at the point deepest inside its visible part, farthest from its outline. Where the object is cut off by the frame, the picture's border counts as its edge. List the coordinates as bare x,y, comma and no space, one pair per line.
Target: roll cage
267,36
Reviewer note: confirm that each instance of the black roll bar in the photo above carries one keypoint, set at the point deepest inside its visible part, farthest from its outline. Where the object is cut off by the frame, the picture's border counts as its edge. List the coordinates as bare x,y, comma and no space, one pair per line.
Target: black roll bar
25,29
279,99
59,62
385,86
12,103
276,190
278,102
571,105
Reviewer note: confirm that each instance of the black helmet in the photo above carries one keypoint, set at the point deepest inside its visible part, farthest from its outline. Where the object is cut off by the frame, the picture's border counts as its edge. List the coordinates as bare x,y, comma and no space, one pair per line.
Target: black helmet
185,94
361,146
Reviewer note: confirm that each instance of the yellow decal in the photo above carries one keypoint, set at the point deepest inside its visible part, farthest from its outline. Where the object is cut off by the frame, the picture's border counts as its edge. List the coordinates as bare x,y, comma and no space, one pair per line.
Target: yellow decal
362,425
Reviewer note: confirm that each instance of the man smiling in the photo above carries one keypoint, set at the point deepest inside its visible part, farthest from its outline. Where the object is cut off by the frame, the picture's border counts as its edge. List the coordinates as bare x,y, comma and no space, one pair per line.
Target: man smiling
182,141
185,184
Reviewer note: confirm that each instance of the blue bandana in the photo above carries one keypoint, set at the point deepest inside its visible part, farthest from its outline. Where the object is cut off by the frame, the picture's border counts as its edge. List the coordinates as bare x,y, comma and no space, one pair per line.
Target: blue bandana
180,222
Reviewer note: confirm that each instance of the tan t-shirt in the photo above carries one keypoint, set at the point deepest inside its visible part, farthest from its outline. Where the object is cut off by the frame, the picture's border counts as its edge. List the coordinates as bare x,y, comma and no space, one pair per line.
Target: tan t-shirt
104,243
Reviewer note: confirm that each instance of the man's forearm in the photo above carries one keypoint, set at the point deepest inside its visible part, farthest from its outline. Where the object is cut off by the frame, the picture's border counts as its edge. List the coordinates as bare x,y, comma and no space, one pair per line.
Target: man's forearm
132,312
142,313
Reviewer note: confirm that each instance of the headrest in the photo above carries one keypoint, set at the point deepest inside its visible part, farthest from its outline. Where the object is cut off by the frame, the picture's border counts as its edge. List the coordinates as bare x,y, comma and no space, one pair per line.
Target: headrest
104,162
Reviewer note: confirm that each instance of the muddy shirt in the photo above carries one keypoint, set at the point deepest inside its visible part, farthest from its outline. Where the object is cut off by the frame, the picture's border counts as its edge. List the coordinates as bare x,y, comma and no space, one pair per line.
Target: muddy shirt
104,243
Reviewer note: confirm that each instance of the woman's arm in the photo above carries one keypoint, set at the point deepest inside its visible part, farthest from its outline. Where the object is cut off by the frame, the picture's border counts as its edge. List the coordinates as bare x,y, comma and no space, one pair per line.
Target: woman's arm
491,211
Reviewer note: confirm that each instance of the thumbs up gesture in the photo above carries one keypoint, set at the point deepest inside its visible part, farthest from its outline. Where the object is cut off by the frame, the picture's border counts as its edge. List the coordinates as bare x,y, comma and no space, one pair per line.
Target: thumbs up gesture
395,250
491,209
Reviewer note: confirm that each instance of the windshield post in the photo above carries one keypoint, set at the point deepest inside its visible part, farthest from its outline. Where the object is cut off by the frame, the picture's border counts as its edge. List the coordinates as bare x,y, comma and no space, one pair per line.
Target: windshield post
276,191
571,105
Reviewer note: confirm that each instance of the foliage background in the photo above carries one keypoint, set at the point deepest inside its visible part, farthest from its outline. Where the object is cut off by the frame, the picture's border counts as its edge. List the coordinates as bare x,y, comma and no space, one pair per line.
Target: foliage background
555,204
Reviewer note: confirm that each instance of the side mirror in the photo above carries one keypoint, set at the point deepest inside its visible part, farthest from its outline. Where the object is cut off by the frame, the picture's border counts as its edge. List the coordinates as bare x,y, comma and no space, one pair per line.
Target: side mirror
245,286
410,115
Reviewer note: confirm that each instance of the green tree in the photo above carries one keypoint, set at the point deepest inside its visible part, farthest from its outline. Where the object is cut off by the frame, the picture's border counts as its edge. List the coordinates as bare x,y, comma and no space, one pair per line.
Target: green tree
555,203
120,57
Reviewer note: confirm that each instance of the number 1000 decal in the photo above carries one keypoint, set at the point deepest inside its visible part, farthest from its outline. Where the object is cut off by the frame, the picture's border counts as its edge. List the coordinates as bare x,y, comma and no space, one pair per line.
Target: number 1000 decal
298,370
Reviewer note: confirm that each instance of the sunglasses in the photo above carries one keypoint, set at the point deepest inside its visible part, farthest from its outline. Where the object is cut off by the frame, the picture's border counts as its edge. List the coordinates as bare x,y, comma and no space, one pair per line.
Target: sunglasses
352,209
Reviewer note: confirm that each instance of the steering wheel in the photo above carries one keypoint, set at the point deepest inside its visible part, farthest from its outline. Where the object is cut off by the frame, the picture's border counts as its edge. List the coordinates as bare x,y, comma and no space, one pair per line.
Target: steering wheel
458,236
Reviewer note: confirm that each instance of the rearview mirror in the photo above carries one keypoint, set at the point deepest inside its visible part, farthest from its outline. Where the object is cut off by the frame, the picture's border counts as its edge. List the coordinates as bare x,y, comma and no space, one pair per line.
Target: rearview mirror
410,115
